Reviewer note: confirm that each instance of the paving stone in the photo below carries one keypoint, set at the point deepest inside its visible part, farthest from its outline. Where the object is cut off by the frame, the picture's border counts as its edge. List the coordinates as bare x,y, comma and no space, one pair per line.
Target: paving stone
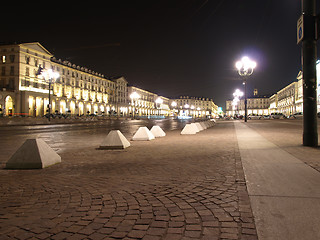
170,188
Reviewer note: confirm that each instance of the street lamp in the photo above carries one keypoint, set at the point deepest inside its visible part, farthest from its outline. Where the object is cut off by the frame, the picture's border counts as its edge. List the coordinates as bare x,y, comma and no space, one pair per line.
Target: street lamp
237,95
245,69
174,105
159,101
49,76
134,96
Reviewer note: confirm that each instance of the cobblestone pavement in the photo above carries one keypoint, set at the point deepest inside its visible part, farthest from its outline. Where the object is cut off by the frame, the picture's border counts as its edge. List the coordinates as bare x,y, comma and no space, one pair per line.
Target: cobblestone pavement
177,187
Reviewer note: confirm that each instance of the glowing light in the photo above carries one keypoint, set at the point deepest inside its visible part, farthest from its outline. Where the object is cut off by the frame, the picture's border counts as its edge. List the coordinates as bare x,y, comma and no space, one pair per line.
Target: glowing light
238,93
134,95
159,100
245,66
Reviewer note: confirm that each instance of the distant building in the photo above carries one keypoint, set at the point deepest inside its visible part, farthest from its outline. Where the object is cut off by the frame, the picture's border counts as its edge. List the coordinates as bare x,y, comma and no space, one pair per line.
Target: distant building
194,107
146,103
288,100
257,105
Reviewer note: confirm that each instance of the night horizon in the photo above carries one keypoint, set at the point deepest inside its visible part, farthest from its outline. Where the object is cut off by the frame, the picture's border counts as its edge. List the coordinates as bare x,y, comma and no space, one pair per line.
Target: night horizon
173,48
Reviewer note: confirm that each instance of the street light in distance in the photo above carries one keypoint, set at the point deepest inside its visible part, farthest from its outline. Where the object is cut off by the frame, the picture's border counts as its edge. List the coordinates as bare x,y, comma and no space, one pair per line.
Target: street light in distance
49,76
245,68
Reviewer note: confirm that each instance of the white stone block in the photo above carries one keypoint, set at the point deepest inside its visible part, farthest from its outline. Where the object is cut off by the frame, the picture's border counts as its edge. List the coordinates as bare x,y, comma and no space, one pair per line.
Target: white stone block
199,126
189,129
157,131
33,154
203,125
195,127
143,134
115,140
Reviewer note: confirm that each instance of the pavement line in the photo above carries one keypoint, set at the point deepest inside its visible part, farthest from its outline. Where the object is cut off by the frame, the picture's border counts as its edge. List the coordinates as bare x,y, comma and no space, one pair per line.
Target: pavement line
284,192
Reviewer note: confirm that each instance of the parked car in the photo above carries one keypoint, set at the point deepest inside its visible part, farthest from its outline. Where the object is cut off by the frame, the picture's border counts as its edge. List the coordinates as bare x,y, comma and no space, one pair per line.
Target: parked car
277,115
266,117
297,115
254,116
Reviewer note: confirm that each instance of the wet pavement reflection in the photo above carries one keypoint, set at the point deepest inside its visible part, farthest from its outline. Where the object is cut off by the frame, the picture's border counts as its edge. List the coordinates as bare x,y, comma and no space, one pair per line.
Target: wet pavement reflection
68,137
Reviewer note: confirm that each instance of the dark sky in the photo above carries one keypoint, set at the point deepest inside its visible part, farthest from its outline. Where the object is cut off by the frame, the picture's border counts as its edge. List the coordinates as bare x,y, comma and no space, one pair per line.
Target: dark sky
170,47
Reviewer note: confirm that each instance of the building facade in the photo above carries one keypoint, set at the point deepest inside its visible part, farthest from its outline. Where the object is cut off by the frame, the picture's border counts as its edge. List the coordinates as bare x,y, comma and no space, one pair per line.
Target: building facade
289,100
77,91
256,105
195,107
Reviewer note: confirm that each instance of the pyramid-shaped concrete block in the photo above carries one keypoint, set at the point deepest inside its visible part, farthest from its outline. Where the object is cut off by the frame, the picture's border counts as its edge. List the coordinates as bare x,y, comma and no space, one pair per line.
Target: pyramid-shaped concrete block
143,134
203,125
199,126
115,140
208,124
157,131
195,127
189,129
33,154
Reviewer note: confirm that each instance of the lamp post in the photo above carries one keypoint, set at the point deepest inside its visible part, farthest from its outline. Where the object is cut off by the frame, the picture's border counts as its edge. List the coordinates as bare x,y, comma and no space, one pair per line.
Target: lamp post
309,58
174,105
159,101
49,76
237,95
245,69
134,96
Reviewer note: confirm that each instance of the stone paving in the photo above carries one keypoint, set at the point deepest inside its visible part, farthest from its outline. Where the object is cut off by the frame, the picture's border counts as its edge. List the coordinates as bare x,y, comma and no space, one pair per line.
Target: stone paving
176,187
287,134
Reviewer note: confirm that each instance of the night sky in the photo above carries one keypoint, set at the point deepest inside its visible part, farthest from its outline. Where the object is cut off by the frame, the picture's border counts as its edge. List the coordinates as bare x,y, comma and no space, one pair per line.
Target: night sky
170,47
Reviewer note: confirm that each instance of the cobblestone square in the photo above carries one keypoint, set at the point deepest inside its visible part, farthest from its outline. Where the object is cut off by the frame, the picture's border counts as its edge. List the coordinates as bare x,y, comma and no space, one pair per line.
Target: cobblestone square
176,187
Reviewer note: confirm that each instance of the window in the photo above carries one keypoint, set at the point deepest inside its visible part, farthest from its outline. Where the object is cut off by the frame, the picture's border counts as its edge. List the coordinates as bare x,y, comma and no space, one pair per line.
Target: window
36,62
12,70
3,71
11,83
3,59
27,60
12,58
27,71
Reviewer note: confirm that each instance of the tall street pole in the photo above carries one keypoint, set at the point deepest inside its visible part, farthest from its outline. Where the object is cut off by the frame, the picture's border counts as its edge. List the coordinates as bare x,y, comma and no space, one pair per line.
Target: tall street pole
309,57
49,105
245,101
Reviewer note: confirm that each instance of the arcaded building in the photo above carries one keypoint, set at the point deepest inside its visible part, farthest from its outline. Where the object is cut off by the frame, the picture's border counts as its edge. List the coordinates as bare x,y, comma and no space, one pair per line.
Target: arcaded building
76,91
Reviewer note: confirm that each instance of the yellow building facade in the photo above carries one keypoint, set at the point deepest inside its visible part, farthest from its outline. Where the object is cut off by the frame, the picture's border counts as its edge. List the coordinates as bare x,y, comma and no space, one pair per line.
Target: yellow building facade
77,90
185,106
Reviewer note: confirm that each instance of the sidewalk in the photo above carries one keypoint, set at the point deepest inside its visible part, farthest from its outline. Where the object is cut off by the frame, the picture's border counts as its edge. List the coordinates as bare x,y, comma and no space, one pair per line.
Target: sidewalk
284,191
176,187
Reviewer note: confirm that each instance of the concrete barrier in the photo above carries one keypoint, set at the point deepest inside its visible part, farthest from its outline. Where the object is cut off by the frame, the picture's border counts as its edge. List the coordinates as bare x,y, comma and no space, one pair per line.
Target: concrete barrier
199,126
189,129
157,131
203,125
115,140
195,127
143,134
33,154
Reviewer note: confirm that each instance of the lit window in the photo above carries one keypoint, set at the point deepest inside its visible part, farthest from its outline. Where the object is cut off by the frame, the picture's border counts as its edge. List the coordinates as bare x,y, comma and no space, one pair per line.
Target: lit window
3,59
